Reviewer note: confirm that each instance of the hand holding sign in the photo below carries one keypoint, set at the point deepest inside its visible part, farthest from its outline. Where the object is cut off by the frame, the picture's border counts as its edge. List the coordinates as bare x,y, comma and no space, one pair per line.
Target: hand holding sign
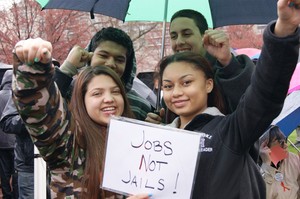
140,196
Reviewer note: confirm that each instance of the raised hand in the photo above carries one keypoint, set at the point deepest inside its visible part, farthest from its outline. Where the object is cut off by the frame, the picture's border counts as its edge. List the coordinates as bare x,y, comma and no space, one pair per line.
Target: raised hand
265,153
216,43
78,56
288,17
33,50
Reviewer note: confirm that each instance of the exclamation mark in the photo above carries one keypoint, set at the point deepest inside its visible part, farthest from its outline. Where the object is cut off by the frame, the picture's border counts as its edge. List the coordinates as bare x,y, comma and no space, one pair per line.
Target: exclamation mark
174,192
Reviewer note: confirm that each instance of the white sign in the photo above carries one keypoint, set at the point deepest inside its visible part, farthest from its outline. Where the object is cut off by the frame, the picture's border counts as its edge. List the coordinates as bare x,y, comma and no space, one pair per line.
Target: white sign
147,158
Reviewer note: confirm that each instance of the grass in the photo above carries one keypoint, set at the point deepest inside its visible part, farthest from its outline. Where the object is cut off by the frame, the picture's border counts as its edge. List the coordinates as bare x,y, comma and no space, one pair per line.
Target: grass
292,137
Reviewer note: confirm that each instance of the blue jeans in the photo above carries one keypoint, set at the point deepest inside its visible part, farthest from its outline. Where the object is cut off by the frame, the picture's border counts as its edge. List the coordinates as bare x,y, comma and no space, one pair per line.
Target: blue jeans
26,185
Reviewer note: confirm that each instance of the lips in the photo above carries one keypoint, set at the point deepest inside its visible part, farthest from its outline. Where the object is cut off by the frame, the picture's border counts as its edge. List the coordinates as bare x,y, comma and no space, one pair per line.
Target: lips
183,50
109,110
179,103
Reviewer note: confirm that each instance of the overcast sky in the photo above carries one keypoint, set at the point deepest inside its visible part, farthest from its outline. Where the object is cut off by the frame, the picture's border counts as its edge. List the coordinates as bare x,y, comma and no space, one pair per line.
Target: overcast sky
6,3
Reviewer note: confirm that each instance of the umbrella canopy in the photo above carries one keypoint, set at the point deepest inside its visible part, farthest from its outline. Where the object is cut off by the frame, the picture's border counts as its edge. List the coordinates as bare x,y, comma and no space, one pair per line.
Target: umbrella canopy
253,53
218,13
289,117
116,8
295,81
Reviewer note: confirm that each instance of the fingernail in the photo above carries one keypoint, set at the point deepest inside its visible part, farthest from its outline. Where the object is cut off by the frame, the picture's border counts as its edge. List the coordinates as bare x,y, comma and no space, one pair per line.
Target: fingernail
291,4
36,59
150,195
29,63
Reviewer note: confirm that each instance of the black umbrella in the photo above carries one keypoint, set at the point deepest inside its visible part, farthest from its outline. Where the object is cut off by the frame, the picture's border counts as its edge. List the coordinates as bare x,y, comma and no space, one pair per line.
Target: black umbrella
218,13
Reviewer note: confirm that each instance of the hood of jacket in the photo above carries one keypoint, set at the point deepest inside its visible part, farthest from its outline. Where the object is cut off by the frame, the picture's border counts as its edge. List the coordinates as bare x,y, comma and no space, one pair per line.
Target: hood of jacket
6,80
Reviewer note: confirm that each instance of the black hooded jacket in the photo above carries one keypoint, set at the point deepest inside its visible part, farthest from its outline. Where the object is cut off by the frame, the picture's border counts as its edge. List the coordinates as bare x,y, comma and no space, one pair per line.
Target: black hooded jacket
225,168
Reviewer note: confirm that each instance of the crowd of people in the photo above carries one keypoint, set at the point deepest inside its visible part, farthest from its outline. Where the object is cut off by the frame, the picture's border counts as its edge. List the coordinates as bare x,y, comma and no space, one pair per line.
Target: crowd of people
64,110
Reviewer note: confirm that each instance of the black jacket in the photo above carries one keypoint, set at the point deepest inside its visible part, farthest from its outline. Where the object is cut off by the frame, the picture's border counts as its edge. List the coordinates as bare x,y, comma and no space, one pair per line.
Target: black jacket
225,168
12,123
6,141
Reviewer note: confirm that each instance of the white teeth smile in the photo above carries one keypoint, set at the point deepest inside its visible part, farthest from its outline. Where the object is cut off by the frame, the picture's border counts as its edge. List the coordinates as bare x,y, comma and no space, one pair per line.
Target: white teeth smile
183,50
108,109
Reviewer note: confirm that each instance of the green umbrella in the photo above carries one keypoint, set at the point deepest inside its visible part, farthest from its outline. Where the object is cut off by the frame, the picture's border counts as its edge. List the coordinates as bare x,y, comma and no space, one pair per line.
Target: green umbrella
162,10
42,2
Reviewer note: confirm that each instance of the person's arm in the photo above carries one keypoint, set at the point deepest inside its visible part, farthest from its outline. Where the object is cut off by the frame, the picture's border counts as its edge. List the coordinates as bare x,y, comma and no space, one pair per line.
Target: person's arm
39,102
234,79
232,73
139,106
76,59
264,98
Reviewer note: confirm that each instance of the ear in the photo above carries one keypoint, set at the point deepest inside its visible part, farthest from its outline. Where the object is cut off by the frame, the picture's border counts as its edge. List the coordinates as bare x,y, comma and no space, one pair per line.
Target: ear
209,85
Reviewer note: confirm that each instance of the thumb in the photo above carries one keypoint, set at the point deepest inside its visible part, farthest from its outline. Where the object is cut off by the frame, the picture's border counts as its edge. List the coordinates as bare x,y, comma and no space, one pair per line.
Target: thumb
91,54
86,56
46,56
162,113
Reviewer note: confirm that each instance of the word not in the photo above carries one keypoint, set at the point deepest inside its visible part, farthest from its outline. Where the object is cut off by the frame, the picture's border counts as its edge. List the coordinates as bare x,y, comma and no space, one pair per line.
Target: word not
151,165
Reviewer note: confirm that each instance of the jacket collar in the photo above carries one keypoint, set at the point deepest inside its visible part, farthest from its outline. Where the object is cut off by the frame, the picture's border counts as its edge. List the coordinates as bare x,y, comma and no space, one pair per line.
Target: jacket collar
213,111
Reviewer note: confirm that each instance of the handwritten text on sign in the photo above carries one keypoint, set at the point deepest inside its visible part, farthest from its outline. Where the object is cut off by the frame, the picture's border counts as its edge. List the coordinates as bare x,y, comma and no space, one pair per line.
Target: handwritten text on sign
147,158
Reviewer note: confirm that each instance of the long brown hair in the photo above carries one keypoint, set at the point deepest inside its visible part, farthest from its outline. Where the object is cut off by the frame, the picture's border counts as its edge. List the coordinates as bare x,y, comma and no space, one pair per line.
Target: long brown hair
214,97
90,135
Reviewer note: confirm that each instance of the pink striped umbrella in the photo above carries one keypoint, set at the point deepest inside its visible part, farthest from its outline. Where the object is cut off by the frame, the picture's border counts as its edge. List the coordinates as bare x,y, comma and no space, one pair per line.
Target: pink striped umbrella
295,81
253,53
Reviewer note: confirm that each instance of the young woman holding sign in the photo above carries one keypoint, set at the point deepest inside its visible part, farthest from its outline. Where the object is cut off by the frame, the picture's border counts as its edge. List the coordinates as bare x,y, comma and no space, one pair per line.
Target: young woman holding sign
71,140
225,168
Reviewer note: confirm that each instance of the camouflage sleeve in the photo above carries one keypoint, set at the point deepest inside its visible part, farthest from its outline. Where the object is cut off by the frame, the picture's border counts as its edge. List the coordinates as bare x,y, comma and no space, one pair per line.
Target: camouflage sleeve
44,111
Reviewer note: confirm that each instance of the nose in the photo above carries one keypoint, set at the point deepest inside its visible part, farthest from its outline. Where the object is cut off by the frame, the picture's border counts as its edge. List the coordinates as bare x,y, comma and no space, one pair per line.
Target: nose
180,40
108,98
177,91
110,62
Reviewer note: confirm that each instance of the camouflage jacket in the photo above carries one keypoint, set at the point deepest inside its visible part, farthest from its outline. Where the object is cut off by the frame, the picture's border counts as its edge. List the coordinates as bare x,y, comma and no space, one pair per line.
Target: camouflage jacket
51,127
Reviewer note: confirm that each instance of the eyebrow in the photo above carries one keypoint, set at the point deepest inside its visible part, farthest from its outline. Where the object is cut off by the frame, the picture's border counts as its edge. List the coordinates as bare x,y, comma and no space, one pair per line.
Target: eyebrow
107,52
184,30
100,89
182,77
